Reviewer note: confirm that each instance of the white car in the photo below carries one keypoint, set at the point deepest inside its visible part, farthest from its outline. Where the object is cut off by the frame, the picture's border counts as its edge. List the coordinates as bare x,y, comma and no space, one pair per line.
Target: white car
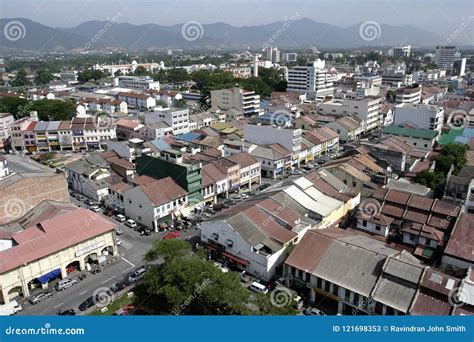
94,208
118,242
137,275
131,223
221,267
121,218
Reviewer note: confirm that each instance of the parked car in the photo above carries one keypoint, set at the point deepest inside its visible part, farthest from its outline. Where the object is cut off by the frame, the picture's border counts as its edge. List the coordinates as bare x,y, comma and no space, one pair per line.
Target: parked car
131,223
88,303
120,218
118,242
40,297
68,312
296,172
65,284
89,202
137,275
314,312
171,235
221,267
94,208
244,277
118,231
259,288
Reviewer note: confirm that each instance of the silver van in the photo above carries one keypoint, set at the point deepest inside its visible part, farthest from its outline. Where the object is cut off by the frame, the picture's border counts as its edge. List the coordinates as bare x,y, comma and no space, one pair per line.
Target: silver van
257,287
65,283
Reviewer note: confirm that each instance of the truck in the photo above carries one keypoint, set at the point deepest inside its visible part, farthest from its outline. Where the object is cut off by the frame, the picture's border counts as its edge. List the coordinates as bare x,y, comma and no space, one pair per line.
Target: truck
10,308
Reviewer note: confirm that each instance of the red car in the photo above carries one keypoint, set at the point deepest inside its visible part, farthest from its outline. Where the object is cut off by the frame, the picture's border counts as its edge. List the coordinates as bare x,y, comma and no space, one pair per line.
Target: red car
171,235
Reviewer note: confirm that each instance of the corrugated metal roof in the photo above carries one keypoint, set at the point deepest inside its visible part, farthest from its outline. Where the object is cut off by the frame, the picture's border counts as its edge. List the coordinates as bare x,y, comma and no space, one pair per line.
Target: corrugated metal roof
394,294
403,270
307,202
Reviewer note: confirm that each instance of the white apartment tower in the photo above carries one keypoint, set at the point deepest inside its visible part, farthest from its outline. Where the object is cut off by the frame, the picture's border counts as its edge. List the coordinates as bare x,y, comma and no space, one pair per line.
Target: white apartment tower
312,79
245,101
445,56
273,55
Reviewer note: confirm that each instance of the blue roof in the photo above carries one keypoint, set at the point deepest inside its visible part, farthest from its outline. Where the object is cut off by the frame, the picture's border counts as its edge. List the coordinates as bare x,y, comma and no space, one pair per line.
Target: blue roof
160,144
276,116
188,137
468,132
462,140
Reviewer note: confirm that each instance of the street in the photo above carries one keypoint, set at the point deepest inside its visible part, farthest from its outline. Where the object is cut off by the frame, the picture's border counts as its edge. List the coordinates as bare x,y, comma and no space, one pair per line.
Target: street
131,253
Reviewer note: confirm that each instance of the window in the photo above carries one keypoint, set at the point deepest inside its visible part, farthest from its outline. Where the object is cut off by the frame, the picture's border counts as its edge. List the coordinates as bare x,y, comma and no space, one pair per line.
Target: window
319,283
364,223
327,286
356,298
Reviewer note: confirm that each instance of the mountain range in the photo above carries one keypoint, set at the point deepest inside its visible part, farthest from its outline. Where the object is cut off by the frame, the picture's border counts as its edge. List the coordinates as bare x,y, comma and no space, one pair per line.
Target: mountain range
301,33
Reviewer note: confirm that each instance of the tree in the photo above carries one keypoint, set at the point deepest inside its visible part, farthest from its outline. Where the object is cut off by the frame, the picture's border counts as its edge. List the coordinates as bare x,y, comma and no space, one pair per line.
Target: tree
20,79
181,103
90,75
433,180
188,284
451,154
177,75
141,71
162,103
43,76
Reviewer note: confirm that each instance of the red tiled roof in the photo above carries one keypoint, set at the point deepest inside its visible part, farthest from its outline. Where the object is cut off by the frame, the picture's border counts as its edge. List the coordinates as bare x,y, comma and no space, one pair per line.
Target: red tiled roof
244,159
461,242
266,223
163,191
53,235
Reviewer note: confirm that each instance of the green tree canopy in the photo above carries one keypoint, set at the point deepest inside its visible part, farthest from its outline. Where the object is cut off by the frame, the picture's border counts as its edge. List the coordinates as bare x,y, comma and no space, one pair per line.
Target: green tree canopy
20,79
43,76
451,154
188,284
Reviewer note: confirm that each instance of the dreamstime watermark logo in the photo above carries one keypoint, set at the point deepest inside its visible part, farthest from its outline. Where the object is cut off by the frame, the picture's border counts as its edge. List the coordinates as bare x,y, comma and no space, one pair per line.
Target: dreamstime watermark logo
459,119
458,297
464,24
369,208
280,118
280,297
15,208
199,289
14,30
105,121
192,30
103,297
109,23
286,24
47,329
370,30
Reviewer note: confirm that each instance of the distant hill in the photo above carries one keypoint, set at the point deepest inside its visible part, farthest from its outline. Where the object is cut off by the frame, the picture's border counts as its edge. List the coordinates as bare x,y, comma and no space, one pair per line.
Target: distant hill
300,33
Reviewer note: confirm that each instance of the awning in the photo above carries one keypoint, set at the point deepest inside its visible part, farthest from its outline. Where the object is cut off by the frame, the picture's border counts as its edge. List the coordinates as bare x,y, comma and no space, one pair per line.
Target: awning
49,276
236,259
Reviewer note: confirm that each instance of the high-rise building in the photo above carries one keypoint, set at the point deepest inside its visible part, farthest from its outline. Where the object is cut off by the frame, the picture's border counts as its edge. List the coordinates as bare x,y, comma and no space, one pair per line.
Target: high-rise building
444,57
401,51
240,99
312,79
459,67
273,54
289,57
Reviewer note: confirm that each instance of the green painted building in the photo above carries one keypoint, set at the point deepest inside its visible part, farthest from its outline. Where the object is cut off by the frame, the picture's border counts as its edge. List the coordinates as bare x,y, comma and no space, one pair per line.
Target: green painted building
187,176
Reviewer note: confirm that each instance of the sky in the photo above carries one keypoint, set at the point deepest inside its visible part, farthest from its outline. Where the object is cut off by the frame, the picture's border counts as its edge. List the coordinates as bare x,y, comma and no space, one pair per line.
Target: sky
439,16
